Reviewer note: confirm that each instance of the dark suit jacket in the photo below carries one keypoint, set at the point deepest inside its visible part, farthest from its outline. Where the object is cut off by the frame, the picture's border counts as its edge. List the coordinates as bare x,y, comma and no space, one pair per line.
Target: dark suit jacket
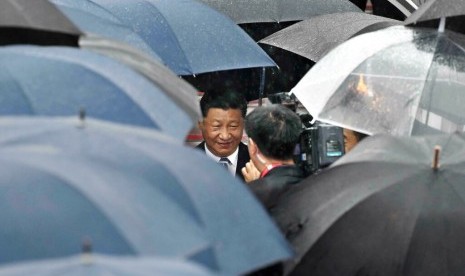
242,158
270,188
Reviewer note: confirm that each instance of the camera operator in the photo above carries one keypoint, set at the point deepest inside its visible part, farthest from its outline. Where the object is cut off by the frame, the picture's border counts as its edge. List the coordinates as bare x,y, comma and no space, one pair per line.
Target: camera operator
273,132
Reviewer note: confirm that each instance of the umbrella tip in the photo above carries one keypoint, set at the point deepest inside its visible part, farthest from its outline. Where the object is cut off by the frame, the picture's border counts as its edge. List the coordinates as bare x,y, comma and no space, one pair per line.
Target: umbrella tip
82,117
86,257
437,151
442,25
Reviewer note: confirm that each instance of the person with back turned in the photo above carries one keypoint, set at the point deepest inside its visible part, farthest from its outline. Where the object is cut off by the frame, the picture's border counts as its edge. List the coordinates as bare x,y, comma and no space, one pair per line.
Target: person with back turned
273,132
222,129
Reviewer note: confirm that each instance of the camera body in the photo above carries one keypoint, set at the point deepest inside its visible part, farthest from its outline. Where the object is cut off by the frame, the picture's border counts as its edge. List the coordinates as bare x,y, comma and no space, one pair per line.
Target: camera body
319,146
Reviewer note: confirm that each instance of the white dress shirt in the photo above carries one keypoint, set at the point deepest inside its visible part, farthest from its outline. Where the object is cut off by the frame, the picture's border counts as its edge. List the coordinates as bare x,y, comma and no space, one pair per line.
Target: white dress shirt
232,158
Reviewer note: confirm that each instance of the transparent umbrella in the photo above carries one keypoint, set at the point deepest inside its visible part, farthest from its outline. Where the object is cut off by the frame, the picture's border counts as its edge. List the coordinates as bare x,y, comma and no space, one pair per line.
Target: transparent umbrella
398,80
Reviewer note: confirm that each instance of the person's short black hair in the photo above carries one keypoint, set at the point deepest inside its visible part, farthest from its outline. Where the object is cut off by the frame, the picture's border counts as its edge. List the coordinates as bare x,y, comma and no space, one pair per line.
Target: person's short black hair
228,99
275,129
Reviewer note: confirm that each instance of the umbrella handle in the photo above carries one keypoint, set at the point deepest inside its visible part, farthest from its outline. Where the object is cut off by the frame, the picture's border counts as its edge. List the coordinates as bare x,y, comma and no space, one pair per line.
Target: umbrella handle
262,87
435,165
442,25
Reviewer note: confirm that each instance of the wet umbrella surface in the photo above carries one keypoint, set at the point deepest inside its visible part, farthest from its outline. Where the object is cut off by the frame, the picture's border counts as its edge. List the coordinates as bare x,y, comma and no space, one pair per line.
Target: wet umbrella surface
253,11
382,209
67,179
56,81
38,21
398,80
313,38
189,37
103,265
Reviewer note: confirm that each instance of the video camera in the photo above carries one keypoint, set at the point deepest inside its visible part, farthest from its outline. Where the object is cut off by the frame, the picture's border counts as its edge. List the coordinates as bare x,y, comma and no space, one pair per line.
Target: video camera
320,144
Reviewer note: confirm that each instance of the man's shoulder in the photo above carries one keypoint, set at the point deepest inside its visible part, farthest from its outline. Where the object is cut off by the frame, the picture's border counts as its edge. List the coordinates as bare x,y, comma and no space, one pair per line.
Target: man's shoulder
292,173
201,146
243,153
243,147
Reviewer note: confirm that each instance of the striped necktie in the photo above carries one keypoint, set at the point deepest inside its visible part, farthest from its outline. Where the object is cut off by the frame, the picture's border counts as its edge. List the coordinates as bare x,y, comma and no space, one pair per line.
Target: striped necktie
224,161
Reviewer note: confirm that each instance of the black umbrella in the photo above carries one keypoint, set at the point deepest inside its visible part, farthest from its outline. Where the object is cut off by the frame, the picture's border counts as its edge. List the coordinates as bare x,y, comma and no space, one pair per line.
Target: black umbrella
314,37
23,21
386,208
254,11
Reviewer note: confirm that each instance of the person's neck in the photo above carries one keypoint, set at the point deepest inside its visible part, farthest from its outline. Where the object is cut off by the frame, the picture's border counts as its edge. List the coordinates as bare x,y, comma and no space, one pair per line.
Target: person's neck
269,163
273,163
280,162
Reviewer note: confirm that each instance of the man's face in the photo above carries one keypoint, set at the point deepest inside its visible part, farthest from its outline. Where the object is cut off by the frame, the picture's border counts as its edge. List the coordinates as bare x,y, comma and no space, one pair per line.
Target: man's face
350,139
222,130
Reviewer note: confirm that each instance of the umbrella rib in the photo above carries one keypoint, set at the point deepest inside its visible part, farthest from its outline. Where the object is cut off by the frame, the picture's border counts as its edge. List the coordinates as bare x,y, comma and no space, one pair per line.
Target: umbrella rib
22,89
120,23
57,175
415,225
427,78
449,183
21,8
194,214
456,44
182,52
160,75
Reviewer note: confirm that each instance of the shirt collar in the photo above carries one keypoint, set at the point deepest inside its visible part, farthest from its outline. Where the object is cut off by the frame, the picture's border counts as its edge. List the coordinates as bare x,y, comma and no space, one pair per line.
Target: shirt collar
232,158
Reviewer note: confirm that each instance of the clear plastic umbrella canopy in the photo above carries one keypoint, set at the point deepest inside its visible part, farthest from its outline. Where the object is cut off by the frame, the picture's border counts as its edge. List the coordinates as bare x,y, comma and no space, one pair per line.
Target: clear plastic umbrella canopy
398,80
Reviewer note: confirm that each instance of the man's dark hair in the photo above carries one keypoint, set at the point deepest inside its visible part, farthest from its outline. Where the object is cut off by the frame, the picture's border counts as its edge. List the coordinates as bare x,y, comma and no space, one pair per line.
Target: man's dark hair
275,129
228,99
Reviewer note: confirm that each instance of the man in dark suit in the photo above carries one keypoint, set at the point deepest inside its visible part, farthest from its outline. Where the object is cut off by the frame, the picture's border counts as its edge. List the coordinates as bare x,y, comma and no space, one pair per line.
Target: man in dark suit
274,132
222,128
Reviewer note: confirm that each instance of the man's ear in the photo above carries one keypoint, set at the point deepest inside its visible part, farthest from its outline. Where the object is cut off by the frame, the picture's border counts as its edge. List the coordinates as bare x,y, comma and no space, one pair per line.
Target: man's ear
252,146
200,124
256,155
